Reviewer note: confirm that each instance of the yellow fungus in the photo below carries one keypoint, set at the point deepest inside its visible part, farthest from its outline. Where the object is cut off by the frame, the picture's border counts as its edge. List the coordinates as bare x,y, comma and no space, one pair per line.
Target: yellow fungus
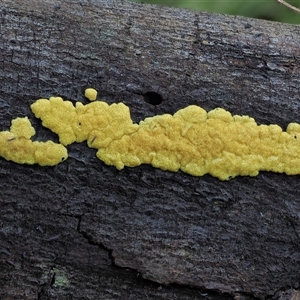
21,127
192,140
91,94
15,145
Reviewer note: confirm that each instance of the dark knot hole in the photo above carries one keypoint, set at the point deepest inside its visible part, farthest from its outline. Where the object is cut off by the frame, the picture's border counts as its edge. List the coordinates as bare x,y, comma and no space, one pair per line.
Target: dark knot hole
153,98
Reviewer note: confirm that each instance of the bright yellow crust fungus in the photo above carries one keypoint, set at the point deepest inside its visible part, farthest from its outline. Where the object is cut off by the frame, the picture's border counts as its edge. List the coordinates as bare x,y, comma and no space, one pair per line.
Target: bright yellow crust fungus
91,94
17,146
192,140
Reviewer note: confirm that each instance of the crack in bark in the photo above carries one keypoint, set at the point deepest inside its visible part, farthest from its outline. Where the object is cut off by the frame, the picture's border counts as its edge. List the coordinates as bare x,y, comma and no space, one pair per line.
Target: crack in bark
92,241
203,292
46,285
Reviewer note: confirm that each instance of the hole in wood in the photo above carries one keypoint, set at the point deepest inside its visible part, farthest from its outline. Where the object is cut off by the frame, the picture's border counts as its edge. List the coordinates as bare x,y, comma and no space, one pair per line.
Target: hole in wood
153,98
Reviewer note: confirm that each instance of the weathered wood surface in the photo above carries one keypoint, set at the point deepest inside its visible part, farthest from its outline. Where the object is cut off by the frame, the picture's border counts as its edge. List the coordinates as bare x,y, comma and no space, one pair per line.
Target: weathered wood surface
65,231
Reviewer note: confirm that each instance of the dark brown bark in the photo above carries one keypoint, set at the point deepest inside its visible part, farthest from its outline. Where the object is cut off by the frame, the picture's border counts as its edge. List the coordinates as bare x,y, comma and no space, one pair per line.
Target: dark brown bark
83,230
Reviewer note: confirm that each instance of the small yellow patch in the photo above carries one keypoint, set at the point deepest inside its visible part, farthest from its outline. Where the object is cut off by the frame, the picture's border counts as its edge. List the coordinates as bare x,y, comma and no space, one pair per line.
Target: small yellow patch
21,127
15,145
91,94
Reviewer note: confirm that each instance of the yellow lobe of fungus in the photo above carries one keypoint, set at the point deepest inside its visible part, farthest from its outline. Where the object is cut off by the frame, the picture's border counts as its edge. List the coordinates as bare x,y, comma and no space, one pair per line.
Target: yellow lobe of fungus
21,127
91,94
15,145
192,140
58,115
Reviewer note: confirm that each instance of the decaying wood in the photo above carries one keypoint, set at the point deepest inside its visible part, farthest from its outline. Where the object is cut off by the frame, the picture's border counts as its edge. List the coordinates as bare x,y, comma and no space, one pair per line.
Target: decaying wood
83,230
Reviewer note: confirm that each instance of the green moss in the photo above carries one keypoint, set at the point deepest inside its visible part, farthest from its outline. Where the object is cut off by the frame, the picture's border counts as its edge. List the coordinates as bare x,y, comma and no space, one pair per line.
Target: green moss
61,279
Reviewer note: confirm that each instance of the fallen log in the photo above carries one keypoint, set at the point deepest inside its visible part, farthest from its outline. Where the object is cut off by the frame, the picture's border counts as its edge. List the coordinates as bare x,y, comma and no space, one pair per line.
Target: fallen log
83,229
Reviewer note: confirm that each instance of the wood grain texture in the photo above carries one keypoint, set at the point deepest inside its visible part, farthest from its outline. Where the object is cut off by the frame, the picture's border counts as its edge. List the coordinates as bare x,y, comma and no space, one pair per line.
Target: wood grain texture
83,230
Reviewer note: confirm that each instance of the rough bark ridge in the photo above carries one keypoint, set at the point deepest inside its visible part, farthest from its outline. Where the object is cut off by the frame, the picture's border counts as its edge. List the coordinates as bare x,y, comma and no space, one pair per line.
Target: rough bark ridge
66,231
